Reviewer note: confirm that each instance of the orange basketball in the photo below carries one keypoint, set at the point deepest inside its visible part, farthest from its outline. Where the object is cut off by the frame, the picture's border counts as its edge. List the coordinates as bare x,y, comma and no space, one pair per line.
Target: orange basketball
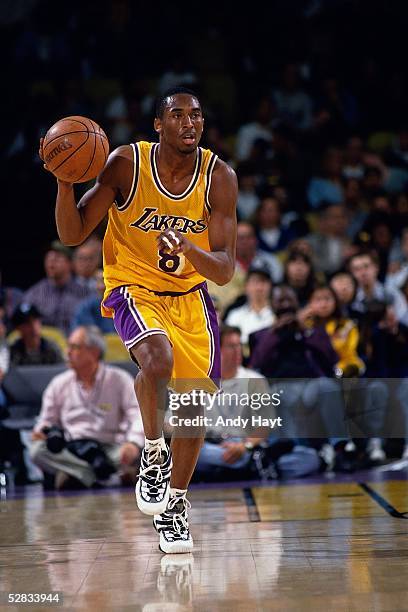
75,149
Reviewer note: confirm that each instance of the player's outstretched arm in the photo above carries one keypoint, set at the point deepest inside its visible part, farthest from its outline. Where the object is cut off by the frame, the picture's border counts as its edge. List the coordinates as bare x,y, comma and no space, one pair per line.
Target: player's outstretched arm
75,222
218,264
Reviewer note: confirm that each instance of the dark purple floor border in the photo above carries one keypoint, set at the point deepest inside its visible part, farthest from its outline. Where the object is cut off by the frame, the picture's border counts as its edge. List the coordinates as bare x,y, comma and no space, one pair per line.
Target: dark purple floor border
358,477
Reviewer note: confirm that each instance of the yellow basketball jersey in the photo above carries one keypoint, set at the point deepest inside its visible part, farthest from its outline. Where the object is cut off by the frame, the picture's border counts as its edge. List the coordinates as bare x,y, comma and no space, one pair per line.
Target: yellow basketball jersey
130,252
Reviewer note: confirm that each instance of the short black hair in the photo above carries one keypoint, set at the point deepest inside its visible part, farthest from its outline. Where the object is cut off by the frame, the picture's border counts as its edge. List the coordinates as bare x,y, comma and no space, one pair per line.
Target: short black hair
228,330
370,253
161,100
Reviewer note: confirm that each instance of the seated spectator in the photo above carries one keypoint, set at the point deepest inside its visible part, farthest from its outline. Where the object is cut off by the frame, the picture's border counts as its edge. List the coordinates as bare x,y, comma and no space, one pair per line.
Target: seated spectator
372,295
258,128
300,245
292,220
291,350
383,345
247,255
324,309
299,275
271,234
293,105
10,297
327,187
58,295
336,111
89,311
380,313
248,199
398,266
356,207
330,243
252,449
344,286
344,336
31,348
178,73
250,255
256,313
373,181
231,448
86,260
280,350
216,141
353,166
89,427
380,231
380,206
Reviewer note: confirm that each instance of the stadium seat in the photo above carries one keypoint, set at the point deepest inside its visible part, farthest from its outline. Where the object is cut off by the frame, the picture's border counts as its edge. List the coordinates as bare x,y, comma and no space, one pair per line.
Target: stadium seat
24,386
115,351
54,334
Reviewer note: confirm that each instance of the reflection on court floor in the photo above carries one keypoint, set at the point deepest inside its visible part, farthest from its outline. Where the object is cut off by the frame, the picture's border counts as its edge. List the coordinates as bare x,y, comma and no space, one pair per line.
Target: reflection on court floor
320,546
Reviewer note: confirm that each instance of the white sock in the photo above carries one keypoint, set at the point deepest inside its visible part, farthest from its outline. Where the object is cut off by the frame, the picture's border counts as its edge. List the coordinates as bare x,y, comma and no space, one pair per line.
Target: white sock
150,443
177,492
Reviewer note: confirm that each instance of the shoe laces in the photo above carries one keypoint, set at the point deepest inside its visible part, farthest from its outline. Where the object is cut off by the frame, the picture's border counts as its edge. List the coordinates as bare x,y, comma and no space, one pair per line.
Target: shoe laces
153,456
179,519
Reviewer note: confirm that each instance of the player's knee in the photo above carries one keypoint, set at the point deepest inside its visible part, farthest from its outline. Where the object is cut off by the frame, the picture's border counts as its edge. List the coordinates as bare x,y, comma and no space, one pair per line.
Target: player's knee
155,358
158,367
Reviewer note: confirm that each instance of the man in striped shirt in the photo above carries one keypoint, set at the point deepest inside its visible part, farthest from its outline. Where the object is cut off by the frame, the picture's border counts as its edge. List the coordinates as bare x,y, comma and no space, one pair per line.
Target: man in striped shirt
58,294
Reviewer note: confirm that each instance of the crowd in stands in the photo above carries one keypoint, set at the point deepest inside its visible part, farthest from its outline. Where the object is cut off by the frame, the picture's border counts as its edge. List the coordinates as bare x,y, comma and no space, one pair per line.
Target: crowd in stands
319,143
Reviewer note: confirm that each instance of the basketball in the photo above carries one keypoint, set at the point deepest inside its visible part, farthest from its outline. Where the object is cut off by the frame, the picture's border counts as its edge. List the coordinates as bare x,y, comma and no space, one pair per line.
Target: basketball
75,149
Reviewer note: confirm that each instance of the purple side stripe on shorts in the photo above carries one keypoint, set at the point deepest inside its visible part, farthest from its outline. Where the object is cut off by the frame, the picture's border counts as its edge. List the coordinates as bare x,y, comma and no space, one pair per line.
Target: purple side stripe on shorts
127,324
132,307
213,331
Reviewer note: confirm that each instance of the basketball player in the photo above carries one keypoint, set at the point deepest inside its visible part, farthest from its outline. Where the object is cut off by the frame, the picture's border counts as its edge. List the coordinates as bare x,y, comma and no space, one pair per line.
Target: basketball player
172,224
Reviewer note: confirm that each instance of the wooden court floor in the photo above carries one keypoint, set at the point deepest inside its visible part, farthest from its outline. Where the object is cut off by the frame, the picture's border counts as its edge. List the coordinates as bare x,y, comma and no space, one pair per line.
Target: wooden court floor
307,546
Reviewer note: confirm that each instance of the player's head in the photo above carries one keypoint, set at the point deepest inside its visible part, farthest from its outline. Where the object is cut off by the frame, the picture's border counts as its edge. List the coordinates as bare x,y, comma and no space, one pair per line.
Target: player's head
179,119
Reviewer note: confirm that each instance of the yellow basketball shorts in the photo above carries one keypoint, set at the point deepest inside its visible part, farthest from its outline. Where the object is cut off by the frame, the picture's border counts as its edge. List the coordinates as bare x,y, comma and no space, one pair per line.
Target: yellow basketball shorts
188,320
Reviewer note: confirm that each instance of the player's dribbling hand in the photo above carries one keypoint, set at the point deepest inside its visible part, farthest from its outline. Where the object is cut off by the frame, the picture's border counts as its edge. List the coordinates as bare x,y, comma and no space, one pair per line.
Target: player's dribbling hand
173,242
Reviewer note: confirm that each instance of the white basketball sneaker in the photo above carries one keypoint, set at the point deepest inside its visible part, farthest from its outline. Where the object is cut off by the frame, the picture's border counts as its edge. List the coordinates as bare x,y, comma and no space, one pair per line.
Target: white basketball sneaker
153,485
172,526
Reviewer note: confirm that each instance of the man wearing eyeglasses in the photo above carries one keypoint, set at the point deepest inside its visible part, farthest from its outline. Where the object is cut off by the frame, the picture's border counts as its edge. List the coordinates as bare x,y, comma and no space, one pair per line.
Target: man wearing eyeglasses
89,429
